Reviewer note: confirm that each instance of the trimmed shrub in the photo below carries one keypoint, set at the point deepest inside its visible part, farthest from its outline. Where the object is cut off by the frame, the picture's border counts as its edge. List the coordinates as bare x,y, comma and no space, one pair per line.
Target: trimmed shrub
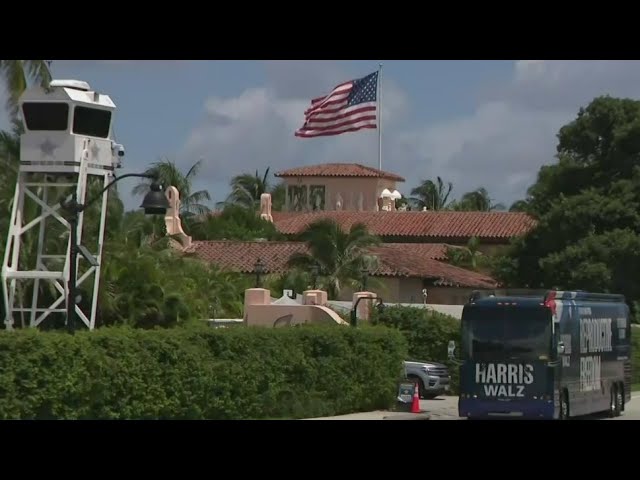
427,334
198,373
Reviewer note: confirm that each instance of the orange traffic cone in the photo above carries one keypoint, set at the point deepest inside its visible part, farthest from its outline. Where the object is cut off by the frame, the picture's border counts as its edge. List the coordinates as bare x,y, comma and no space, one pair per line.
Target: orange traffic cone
415,405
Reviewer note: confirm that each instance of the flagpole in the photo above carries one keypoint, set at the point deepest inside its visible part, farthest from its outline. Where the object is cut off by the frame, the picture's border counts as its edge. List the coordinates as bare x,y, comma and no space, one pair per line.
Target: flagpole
380,116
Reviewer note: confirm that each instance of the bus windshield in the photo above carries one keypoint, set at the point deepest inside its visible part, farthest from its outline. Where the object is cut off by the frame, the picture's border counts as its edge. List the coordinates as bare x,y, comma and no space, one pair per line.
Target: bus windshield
492,333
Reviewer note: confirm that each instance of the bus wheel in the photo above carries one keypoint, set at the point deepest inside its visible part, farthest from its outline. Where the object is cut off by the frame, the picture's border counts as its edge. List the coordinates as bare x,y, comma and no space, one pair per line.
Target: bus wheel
564,405
613,403
619,400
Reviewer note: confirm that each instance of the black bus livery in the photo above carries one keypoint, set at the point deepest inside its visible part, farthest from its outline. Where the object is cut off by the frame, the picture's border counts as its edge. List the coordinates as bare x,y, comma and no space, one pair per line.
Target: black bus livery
553,356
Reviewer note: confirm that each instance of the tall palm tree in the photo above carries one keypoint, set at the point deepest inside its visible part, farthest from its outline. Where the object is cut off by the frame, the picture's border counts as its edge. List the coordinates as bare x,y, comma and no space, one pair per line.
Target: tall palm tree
16,75
432,195
477,201
467,257
9,163
247,188
170,175
340,255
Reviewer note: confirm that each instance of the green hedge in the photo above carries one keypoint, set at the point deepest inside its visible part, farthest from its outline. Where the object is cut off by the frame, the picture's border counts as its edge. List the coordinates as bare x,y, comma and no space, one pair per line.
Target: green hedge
198,373
427,334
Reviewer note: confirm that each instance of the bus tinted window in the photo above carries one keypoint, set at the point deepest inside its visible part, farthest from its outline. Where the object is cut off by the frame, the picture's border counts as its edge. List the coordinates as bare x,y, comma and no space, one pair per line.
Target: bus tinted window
92,122
491,333
46,116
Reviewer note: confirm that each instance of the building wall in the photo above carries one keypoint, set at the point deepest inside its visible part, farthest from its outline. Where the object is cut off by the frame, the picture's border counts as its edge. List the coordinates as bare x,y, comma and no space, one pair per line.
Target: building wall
403,290
409,290
356,194
493,248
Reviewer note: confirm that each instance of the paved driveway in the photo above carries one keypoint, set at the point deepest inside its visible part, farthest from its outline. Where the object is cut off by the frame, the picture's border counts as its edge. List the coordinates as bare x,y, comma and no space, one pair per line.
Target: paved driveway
446,408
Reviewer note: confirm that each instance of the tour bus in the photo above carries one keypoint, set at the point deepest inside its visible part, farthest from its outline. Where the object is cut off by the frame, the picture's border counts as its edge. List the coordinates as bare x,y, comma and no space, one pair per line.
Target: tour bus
555,355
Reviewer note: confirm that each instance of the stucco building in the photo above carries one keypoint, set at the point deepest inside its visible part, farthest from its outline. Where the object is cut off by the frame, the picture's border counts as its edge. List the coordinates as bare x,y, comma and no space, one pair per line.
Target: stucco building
414,253
336,187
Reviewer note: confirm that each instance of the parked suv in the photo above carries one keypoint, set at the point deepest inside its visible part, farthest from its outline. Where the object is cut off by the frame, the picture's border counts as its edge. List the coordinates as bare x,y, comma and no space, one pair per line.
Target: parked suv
433,378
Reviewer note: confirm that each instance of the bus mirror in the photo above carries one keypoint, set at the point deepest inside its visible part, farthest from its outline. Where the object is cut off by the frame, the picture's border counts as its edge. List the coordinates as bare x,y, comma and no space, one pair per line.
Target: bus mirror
560,348
451,349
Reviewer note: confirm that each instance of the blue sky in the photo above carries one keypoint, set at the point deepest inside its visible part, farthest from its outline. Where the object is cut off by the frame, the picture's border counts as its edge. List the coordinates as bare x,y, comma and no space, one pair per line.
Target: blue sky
474,123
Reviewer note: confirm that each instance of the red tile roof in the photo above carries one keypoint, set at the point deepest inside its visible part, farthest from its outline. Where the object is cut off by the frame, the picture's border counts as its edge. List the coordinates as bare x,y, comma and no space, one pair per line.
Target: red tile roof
339,170
241,256
400,260
395,260
446,226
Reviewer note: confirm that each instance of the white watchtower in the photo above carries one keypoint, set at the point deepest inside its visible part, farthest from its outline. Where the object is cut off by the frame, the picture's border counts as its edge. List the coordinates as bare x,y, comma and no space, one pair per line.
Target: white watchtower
67,141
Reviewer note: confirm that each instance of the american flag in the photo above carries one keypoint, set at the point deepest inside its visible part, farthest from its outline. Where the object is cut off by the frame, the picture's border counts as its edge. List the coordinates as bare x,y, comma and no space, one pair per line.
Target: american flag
351,106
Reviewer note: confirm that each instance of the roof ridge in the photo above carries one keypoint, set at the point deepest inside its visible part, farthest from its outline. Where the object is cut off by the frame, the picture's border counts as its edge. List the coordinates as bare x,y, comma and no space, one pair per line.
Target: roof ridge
365,168
270,242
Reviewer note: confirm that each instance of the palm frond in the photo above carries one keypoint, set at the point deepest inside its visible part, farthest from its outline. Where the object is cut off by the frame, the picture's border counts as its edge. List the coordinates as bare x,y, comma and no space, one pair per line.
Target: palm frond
193,171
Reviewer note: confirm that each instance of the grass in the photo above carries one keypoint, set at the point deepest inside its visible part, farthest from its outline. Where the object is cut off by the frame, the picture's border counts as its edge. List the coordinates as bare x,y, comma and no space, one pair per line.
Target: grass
635,387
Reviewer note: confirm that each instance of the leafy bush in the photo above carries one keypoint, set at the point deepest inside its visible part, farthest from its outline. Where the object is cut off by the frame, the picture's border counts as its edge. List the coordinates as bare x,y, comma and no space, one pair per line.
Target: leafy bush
235,222
427,334
146,288
198,372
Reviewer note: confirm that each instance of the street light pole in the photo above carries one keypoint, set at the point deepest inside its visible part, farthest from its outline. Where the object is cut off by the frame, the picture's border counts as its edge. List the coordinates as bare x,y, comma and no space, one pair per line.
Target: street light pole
154,203
259,269
315,269
365,276
354,310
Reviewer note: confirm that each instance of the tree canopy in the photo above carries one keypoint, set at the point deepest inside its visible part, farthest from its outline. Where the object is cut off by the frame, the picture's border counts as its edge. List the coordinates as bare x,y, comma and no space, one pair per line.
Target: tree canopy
587,205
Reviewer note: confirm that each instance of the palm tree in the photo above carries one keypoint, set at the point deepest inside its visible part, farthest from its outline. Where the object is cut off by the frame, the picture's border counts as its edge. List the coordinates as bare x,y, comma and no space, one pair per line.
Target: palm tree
296,279
247,188
467,257
9,163
169,174
477,201
341,256
16,75
431,195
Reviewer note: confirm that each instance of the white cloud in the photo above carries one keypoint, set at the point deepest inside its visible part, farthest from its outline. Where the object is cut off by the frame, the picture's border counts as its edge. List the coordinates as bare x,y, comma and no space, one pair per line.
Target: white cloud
303,79
500,146
256,130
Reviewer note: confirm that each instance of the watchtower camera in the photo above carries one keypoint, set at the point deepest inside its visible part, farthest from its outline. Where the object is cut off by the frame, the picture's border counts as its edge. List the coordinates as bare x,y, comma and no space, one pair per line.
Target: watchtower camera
66,147
66,124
